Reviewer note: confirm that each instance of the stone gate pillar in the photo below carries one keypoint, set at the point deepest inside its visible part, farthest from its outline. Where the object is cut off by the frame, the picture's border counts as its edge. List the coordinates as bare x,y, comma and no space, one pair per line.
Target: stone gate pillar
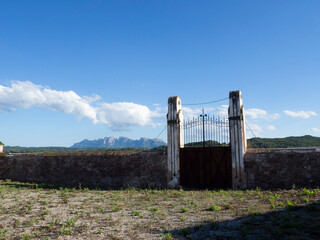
175,141
238,139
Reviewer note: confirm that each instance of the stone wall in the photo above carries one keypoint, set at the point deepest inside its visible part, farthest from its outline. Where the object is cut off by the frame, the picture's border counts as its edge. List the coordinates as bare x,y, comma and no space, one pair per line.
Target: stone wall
282,168
265,168
107,169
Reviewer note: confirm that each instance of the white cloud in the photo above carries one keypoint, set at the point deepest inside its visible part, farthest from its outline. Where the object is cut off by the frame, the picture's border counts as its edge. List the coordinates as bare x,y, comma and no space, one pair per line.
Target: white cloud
315,129
260,113
300,114
123,114
27,95
93,98
189,113
223,111
253,130
270,128
118,115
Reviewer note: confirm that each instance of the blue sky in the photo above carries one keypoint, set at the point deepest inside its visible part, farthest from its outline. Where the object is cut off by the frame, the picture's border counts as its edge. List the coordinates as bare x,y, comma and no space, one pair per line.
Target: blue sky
71,70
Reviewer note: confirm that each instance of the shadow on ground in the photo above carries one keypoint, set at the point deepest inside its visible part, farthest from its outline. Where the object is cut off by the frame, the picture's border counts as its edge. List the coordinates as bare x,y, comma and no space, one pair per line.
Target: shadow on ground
287,223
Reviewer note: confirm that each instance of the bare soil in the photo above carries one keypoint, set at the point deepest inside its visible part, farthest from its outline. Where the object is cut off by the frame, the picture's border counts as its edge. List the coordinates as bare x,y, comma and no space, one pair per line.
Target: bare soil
30,211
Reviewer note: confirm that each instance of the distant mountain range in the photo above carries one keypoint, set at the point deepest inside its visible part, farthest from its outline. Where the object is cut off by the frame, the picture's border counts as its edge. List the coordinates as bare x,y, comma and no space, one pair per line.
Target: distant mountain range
121,142
113,144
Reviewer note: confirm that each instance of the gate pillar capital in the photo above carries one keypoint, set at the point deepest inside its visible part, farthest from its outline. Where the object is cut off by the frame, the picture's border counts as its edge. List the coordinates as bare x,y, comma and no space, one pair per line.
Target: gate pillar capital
238,139
175,140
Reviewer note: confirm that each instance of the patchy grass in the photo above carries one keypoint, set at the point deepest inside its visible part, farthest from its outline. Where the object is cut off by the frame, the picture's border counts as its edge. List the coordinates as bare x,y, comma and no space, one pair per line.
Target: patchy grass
31,211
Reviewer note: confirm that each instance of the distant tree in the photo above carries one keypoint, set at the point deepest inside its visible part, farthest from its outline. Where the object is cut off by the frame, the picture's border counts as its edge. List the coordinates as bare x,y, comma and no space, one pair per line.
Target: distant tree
304,141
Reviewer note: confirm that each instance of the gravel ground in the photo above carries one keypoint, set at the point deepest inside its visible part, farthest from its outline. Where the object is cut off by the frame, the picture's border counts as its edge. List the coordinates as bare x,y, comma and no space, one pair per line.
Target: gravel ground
30,211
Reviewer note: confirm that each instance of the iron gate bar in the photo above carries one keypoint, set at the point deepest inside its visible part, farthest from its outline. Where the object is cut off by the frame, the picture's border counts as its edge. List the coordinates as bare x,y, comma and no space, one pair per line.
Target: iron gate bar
206,130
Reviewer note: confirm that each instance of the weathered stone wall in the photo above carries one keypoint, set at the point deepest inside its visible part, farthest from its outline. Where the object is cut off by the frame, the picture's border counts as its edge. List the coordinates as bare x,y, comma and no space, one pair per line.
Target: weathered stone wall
281,168
265,168
108,169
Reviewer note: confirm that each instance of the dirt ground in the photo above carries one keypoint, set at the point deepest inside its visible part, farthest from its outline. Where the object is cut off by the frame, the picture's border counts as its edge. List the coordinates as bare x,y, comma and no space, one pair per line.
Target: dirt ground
30,211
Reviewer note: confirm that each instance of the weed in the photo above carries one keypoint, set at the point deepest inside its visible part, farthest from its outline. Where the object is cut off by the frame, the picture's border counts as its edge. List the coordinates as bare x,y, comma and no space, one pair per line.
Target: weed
116,209
29,223
71,222
101,209
184,210
26,236
290,205
154,209
228,206
274,197
28,210
168,236
16,223
113,195
3,233
253,212
214,208
310,193
109,218
186,232
65,230
136,213
311,207
290,224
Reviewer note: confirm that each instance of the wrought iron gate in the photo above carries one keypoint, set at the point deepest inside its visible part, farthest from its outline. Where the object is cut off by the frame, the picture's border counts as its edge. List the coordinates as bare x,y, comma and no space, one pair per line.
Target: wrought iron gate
205,160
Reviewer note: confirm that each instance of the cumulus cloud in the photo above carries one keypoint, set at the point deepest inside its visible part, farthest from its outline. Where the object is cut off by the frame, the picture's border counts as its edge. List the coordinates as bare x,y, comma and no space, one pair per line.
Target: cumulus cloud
253,129
117,116
256,113
300,114
223,111
270,128
315,129
189,113
123,114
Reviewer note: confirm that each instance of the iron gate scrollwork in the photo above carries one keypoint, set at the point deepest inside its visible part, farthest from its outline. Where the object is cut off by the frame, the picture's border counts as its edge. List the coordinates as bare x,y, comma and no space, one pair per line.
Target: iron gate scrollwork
206,131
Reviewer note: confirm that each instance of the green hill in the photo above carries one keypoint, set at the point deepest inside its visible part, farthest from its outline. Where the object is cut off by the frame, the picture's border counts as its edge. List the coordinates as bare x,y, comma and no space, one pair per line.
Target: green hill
287,142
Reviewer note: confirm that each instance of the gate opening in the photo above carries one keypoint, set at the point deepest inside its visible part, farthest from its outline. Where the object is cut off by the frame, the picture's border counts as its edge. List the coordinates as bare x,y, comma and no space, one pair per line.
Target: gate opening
205,159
